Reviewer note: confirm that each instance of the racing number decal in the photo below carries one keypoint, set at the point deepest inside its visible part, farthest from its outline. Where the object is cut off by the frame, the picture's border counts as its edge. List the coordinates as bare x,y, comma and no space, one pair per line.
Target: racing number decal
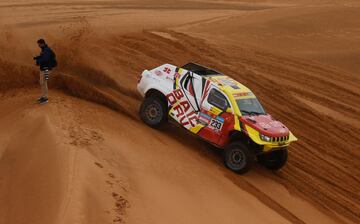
217,125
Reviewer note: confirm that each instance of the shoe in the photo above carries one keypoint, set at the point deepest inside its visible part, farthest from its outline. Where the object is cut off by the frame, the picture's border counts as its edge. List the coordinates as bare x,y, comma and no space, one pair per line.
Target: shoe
39,99
43,100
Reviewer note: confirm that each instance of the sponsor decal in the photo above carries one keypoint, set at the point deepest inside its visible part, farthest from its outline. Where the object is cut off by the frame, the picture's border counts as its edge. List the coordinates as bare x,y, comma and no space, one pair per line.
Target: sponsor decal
215,81
214,110
272,124
167,70
243,94
158,73
264,125
204,118
221,119
183,112
229,82
177,75
276,124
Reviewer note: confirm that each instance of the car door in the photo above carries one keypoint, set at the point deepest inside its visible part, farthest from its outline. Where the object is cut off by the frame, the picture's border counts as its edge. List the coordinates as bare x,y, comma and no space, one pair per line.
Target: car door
191,89
185,102
214,115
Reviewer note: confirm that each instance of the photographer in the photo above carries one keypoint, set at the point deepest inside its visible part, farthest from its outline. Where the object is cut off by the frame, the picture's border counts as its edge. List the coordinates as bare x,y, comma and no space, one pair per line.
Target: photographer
46,61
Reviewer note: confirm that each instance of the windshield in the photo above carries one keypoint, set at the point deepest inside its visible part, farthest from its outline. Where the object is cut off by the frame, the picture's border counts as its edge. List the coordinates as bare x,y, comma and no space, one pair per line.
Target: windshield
250,106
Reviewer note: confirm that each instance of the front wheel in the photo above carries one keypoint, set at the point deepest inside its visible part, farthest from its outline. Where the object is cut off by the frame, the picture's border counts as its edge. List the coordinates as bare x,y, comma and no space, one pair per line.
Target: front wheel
153,111
238,158
274,160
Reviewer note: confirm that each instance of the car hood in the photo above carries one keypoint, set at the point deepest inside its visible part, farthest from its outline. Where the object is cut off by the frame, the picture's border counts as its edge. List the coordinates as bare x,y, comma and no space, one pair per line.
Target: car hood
266,125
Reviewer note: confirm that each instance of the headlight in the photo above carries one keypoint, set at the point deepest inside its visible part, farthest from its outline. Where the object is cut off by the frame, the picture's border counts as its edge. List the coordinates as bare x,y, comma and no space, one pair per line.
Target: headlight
265,138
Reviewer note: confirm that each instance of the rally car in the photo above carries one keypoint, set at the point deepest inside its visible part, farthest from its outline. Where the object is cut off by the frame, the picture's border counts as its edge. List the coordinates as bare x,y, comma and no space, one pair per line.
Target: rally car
218,109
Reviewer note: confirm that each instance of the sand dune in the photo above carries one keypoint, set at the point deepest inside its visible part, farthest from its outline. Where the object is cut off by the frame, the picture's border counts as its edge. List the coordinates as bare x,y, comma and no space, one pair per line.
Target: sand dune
328,33
87,158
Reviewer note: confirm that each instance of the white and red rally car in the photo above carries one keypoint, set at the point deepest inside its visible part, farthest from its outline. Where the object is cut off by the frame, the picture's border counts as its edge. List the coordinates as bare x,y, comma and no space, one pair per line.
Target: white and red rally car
218,109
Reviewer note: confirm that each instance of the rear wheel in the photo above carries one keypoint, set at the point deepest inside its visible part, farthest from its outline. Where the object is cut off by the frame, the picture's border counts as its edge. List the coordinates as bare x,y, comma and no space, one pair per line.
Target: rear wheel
153,111
238,158
274,160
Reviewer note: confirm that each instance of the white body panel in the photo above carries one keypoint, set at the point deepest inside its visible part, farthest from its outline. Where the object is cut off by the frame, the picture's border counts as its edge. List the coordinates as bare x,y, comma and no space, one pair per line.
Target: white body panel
160,78
163,78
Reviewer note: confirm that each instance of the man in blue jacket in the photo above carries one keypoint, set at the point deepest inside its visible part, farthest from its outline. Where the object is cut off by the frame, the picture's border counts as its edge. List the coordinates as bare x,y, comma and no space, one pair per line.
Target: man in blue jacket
46,61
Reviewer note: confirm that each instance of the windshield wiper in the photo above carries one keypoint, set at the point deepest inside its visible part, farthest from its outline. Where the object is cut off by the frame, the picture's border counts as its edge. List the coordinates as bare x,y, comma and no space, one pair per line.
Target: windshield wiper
251,112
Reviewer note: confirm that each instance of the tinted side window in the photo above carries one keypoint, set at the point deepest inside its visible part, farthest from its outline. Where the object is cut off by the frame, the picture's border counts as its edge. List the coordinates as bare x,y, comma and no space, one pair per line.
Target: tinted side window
217,99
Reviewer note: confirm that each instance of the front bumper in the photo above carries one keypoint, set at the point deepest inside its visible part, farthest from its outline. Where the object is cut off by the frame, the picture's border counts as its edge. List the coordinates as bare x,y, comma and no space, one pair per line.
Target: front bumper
275,146
269,146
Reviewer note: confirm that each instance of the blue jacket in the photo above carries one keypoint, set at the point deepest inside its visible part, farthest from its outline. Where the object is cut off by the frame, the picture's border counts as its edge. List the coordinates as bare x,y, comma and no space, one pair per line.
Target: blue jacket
44,60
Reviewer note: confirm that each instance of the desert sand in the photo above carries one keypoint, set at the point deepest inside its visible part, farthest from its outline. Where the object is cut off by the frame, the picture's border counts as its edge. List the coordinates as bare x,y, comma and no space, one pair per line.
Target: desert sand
87,158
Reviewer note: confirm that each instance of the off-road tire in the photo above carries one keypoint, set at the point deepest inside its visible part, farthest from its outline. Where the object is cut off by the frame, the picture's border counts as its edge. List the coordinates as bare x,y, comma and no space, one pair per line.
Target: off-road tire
153,111
274,160
238,158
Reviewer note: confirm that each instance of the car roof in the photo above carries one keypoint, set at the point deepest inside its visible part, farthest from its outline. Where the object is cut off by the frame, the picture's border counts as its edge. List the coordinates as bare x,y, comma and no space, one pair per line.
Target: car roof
223,82
230,85
200,69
